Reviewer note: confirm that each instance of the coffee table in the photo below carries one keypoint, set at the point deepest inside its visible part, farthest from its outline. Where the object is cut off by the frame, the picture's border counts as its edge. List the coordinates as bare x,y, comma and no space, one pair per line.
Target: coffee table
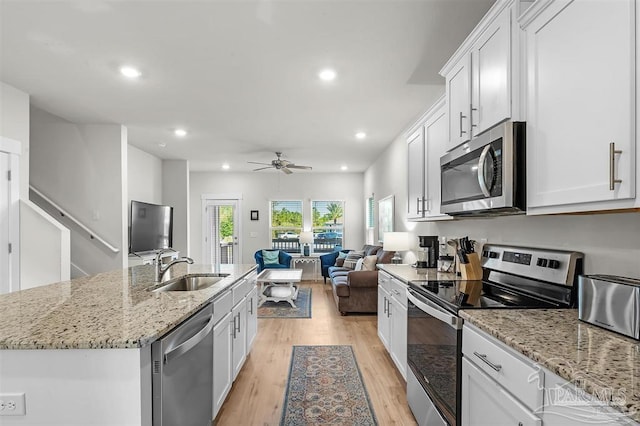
278,285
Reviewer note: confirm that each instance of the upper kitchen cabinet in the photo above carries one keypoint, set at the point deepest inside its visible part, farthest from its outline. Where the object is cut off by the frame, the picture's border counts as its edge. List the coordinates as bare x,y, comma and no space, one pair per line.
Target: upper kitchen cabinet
581,116
482,77
426,142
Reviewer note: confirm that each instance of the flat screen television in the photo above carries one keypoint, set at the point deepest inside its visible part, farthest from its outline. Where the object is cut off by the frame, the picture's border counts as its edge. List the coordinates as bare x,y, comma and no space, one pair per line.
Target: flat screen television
151,227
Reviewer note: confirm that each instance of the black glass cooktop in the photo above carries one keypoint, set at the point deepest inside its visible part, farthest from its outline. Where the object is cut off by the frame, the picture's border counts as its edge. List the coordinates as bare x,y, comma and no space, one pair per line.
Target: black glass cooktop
448,294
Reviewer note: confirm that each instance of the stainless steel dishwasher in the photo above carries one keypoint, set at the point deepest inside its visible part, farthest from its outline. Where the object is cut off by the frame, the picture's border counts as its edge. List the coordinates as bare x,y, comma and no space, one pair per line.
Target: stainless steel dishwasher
182,379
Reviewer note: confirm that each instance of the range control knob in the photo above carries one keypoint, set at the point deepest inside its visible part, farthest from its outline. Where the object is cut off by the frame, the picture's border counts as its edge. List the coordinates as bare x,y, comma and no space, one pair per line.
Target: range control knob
553,264
493,254
542,262
485,253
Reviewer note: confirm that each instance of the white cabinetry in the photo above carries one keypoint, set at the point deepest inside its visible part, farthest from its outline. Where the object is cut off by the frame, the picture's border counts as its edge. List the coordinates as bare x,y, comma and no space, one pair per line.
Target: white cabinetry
392,319
499,387
482,77
252,311
581,96
426,142
222,371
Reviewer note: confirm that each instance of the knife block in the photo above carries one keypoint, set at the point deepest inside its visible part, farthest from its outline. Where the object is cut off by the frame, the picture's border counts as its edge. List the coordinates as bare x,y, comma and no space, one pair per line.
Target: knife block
470,291
473,269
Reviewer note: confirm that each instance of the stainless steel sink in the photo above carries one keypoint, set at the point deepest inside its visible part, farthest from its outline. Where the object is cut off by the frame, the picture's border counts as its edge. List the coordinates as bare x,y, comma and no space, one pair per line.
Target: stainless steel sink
191,282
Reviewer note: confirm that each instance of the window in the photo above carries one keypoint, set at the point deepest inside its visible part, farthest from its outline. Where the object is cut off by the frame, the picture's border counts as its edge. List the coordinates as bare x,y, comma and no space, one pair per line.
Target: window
286,225
328,224
370,220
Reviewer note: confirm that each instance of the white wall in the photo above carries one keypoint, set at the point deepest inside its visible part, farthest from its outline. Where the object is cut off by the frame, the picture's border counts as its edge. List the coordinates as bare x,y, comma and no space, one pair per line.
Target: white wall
144,176
82,168
258,189
609,241
14,124
175,193
47,244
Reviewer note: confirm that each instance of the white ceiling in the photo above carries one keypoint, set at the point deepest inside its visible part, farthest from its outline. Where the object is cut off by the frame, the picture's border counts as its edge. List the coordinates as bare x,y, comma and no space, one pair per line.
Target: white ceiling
240,76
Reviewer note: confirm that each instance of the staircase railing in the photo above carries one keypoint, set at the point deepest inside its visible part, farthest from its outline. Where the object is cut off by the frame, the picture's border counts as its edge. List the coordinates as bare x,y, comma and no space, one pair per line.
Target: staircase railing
69,220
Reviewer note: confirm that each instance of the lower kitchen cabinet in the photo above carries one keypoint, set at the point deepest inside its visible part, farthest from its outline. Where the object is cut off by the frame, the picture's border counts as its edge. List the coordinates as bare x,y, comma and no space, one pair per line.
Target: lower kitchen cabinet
392,319
222,366
485,402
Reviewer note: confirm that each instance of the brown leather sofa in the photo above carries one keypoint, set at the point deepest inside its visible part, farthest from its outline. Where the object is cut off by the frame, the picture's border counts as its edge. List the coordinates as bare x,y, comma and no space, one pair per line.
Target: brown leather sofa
357,291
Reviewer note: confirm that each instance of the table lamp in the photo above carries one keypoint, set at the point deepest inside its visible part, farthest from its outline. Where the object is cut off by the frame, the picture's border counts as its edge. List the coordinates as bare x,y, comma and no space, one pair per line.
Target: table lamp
306,238
396,241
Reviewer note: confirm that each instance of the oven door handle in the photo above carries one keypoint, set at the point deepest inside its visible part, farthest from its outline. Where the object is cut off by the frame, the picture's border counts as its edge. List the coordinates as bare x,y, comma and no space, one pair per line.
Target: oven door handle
435,311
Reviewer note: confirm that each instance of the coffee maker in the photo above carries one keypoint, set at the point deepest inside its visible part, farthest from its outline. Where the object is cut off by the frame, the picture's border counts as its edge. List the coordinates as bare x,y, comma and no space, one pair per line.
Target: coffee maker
427,251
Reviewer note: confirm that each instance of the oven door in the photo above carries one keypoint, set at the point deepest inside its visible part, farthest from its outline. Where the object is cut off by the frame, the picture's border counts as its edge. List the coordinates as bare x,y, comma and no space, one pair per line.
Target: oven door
434,338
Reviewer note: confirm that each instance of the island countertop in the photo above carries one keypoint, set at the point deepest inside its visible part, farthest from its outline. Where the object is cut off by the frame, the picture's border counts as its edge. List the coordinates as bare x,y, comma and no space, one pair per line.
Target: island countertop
109,310
597,360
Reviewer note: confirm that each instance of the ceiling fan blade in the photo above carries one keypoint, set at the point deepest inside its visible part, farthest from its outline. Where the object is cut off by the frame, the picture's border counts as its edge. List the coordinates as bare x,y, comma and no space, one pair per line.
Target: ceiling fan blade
286,171
293,166
255,162
262,168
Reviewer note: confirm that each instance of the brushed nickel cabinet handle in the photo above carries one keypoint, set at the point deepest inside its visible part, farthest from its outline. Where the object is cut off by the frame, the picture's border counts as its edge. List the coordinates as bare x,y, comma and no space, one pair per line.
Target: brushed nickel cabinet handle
483,357
461,117
418,205
612,165
471,116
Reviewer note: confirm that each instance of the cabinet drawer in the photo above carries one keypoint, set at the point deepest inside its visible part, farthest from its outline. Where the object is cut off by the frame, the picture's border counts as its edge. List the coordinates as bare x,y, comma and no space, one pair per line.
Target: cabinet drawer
398,290
384,279
522,379
222,306
240,290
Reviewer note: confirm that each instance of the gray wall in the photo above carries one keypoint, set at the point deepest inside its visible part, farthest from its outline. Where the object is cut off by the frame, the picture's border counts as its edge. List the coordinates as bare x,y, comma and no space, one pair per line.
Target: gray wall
257,189
175,192
82,167
609,241
144,176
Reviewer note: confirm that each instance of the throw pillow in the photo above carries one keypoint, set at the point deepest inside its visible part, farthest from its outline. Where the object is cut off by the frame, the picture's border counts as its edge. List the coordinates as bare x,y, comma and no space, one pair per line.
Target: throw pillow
339,262
352,258
369,263
358,266
270,257
342,255
340,259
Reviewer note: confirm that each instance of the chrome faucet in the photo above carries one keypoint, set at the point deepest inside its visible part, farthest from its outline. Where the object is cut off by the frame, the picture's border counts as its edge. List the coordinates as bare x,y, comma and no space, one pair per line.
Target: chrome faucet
161,270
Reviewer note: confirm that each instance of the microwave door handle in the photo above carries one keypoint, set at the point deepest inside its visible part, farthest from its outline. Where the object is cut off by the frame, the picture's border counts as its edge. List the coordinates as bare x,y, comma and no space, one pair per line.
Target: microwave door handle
481,181
435,311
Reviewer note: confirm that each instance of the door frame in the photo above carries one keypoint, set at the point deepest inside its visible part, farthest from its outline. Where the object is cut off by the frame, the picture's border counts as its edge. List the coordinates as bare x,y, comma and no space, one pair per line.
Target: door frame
14,149
235,197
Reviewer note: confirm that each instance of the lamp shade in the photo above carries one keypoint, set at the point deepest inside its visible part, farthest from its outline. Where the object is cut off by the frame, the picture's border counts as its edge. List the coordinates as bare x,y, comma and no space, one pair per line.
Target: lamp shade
306,237
396,241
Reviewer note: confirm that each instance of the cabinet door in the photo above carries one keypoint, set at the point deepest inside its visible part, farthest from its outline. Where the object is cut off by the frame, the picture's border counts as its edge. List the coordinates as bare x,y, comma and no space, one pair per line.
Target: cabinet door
415,175
239,324
459,102
398,336
252,317
581,99
491,84
484,402
222,365
383,316
435,131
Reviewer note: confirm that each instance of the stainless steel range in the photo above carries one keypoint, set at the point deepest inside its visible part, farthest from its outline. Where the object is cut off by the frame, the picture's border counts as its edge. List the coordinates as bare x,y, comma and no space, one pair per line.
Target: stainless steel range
513,277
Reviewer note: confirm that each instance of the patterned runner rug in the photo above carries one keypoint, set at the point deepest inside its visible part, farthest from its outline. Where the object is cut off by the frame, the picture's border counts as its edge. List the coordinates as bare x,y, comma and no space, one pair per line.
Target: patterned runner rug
325,387
284,309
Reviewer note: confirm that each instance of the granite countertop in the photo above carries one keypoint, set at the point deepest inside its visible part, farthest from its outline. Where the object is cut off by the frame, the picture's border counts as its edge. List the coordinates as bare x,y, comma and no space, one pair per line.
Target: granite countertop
406,273
594,359
109,310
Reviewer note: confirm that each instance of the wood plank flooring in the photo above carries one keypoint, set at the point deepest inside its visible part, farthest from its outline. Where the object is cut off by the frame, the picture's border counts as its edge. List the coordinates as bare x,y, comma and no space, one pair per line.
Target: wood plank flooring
257,395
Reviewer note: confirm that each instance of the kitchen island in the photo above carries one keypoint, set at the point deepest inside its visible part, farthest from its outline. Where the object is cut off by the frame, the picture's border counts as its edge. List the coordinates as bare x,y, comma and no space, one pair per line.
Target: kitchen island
601,363
80,349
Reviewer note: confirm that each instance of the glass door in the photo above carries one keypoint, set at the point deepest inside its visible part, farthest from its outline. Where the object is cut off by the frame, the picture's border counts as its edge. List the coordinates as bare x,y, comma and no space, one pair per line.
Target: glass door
222,232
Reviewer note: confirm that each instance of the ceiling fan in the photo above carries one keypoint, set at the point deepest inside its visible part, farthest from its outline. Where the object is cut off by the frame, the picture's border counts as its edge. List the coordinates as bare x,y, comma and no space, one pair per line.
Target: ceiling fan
279,164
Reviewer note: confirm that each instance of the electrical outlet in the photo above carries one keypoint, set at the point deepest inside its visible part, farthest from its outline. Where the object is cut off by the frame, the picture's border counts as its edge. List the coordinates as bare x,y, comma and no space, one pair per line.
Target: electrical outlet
12,404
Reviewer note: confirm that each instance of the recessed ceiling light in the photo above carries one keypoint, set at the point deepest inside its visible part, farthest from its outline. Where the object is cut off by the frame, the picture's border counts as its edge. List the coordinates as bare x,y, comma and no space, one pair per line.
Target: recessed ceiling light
361,135
327,74
162,144
225,166
180,133
130,72
344,168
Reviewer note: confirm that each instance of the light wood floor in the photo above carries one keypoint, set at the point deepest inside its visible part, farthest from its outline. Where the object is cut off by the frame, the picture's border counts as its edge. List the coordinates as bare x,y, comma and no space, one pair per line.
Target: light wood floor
258,393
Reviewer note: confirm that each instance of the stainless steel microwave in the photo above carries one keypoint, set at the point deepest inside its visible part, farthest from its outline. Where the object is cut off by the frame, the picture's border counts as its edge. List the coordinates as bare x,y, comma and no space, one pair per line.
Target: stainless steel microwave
486,176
